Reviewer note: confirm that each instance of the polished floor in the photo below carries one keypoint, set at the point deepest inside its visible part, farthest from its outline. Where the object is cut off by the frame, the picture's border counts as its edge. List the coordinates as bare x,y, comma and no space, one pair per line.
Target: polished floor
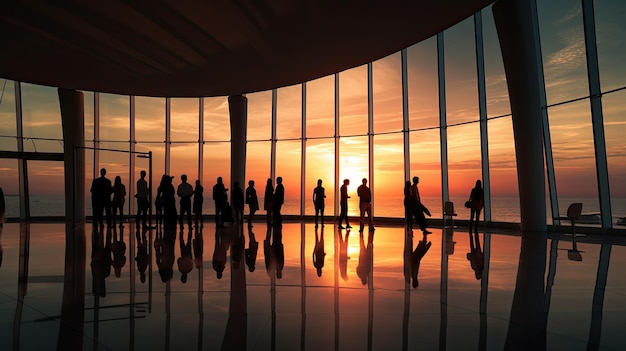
297,288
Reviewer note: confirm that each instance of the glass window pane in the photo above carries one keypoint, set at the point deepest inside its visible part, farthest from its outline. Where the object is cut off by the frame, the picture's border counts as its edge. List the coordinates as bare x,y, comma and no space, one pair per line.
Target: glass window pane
216,119
260,116
184,119
89,116
41,118
388,182
288,161
464,165
320,107
614,110
423,84
610,26
149,119
46,188
563,49
8,126
9,182
353,101
503,171
497,92
158,166
426,164
216,164
320,164
289,112
114,117
258,169
460,66
353,165
387,99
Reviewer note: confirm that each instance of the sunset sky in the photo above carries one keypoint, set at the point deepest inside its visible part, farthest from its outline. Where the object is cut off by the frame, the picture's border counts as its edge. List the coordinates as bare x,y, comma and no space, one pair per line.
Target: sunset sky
565,75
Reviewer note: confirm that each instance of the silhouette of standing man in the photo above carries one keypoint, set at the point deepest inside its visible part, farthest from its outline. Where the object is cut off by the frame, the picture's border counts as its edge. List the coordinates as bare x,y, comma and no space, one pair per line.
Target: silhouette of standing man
365,203
185,191
101,190
220,198
417,207
318,201
343,203
279,199
142,200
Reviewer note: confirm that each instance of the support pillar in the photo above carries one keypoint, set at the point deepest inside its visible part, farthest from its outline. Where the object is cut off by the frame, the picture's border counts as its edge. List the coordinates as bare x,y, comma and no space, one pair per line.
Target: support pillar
73,122
516,22
238,108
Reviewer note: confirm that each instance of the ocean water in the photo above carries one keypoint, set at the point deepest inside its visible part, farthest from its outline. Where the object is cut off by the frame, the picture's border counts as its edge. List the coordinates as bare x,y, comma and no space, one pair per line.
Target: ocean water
504,209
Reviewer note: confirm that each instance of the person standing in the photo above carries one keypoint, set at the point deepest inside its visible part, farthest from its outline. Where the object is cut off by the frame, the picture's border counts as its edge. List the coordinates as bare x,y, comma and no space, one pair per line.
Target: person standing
168,197
279,199
343,204
238,202
418,208
252,200
221,200
101,190
365,204
119,197
142,200
477,199
268,200
184,191
198,200
318,201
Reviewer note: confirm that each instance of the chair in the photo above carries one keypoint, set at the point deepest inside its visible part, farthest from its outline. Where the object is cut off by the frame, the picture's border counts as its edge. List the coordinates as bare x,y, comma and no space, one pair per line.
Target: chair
448,212
573,213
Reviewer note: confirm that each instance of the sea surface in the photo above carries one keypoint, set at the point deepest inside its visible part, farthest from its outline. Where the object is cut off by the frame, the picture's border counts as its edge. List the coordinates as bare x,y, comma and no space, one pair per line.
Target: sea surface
504,209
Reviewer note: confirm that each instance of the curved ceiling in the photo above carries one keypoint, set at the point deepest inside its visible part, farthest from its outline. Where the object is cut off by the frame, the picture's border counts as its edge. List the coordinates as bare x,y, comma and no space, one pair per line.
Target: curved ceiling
197,48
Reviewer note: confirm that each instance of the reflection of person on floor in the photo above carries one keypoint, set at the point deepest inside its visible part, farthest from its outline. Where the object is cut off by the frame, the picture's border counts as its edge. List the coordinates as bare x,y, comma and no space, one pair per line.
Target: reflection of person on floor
417,207
198,201
101,190
198,248
142,258
476,198
119,252
416,258
164,252
343,255
252,200
99,269
219,254
318,252
318,201
185,261
119,198
237,248
476,256
365,204
274,252
252,250
364,267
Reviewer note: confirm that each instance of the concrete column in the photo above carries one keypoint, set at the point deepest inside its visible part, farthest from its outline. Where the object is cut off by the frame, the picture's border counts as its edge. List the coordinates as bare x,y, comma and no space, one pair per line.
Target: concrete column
73,121
238,107
516,22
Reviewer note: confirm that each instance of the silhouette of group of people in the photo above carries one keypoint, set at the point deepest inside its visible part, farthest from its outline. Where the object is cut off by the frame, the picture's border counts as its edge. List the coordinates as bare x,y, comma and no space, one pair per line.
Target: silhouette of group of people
365,205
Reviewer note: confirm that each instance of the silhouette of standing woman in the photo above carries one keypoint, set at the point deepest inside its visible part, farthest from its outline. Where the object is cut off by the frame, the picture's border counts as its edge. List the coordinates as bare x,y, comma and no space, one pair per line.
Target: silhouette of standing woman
343,204
318,201
476,198
252,200
119,197
198,200
277,202
268,200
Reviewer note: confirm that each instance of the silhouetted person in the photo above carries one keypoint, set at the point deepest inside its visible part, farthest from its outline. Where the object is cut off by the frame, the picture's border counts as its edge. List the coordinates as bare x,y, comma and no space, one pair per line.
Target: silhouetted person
118,247
238,202
252,250
142,258
119,198
185,261
3,207
418,208
319,253
416,258
476,256
364,267
477,199
101,190
221,202
268,200
408,212
142,200
164,251
279,199
198,201
343,255
252,200
185,191
343,204
318,201
365,204
219,254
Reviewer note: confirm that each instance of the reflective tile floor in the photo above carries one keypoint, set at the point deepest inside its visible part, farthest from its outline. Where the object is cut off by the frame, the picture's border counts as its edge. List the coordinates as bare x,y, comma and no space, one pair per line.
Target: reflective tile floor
295,288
